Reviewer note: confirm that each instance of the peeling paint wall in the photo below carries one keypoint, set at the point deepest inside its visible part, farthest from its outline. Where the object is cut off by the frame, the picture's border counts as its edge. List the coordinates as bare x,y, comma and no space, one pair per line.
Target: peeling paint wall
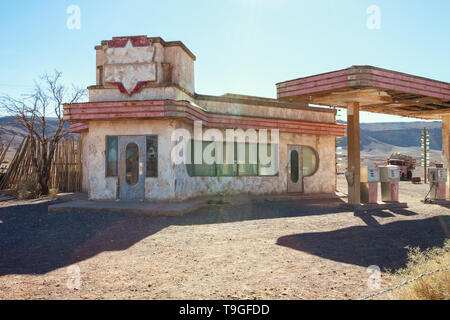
242,109
85,163
101,188
111,93
173,182
323,181
156,64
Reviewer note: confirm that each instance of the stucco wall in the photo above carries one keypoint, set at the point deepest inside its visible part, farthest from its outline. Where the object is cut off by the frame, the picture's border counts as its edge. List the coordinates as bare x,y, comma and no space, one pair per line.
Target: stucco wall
85,163
323,181
171,64
174,183
182,67
112,93
266,111
105,188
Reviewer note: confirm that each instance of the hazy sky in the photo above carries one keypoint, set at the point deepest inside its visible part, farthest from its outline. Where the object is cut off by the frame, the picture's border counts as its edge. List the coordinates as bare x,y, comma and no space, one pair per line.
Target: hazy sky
242,46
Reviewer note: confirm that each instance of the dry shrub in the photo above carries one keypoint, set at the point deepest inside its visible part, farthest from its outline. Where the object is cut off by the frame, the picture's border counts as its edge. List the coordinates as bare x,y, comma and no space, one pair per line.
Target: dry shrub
429,287
53,193
28,188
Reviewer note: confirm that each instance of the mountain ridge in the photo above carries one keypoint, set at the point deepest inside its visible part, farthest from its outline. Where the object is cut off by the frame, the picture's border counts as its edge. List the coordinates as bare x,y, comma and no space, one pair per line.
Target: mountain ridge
377,139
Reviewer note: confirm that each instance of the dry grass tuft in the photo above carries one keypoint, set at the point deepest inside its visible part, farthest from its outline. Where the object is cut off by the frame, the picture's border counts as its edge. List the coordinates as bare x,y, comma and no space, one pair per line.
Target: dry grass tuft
28,188
53,194
431,287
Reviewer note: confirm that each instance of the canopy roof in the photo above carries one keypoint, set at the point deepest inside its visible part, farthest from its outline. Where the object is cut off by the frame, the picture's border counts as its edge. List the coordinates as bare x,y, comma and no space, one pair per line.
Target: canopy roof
375,89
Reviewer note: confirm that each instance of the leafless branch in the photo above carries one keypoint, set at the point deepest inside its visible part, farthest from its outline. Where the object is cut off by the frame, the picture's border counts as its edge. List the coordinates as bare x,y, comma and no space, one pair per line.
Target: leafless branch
32,113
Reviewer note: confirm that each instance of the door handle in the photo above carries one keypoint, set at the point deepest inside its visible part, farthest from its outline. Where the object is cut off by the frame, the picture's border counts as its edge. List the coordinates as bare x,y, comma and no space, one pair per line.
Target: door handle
141,168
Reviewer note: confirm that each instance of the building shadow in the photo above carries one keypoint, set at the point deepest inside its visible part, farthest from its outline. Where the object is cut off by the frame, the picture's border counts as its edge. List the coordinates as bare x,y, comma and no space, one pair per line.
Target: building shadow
35,241
368,216
383,245
258,210
403,212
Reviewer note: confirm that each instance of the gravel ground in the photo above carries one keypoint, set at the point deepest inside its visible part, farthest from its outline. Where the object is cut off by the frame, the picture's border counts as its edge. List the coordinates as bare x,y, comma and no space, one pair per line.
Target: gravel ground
256,250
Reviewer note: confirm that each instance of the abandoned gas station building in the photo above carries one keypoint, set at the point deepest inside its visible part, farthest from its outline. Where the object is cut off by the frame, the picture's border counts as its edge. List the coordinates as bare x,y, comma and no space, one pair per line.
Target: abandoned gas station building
145,91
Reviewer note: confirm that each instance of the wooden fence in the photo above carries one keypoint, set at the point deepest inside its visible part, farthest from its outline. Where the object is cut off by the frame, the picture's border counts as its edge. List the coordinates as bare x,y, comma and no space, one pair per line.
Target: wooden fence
65,173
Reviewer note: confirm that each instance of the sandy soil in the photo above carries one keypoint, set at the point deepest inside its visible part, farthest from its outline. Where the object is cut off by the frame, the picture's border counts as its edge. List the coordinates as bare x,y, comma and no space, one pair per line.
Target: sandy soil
256,250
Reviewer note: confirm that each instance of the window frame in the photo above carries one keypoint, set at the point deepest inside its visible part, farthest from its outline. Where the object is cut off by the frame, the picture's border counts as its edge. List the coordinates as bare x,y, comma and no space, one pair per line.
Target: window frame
157,156
192,172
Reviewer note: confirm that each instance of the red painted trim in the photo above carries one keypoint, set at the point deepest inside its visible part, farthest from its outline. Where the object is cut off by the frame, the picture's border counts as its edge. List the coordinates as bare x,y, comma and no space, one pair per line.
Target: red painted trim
78,127
166,109
364,76
136,41
121,42
138,87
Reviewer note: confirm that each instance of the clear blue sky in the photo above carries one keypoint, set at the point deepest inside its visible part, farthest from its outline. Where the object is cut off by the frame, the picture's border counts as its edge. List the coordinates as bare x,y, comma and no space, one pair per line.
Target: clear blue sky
242,46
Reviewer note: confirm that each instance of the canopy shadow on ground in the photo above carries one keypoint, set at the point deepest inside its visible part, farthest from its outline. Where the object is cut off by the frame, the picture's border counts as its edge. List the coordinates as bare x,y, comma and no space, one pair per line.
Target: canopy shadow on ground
35,241
382,245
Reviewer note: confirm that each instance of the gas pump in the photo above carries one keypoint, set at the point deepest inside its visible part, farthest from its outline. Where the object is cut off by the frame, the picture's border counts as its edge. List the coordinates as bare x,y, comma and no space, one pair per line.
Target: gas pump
437,178
369,184
390,178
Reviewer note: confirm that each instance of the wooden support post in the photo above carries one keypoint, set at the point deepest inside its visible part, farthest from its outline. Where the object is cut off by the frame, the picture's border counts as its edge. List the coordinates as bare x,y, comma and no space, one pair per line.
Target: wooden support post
354,162
425,155
446,149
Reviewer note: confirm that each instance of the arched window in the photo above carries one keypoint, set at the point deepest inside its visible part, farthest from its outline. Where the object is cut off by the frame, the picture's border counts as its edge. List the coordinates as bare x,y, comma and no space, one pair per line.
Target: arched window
310,161
132,164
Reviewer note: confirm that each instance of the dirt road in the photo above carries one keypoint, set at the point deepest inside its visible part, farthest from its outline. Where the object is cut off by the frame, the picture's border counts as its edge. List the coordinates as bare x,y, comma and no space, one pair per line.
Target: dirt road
256,250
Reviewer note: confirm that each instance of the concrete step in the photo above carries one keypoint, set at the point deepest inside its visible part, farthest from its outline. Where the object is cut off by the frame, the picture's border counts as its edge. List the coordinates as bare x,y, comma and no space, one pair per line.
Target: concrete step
130,207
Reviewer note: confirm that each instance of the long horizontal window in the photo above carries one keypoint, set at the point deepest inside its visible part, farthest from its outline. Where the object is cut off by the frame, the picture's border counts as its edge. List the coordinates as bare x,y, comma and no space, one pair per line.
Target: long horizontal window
232,159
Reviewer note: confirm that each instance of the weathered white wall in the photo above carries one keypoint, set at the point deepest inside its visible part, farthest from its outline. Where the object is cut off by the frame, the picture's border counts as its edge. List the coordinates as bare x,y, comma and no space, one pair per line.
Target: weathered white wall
85,162
323,181
242,109
105,188
182,67
133,64
173,182
111,93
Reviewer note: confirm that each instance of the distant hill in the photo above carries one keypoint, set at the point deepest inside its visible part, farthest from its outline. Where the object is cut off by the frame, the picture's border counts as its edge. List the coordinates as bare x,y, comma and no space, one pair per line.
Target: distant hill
382,139
10,129
377,139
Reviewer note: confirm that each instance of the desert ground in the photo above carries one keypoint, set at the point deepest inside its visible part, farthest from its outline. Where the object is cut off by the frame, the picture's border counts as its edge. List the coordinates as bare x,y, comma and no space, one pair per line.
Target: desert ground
258,249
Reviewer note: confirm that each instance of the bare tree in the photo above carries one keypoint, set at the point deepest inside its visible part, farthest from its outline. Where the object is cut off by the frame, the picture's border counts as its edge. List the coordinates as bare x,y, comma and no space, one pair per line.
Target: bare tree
33,111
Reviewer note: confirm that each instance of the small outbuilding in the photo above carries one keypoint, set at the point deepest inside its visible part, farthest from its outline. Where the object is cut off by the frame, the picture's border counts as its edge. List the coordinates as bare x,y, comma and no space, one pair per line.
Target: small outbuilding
147,135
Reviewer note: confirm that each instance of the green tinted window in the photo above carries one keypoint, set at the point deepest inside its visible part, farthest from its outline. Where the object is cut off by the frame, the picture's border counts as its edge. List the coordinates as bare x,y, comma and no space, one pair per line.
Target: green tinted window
132,164
112,156
247,155
205,170
190,168
246,161
270,168
228,168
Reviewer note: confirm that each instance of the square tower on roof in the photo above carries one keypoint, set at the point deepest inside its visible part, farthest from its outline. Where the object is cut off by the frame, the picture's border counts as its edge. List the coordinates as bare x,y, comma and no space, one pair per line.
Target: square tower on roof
138,67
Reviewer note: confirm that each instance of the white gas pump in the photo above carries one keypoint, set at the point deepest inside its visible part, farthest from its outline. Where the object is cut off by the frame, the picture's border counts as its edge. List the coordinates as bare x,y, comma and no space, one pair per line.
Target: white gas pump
370,176
390,178
437,178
